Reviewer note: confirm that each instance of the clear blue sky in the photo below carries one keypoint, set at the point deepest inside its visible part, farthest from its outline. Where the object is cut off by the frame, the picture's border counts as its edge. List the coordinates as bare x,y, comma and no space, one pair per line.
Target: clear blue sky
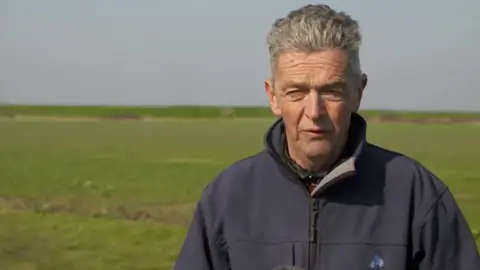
422,55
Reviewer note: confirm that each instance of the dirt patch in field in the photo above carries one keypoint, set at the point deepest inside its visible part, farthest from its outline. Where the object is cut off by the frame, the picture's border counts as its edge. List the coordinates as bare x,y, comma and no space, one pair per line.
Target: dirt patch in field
51,119
122,117
174,214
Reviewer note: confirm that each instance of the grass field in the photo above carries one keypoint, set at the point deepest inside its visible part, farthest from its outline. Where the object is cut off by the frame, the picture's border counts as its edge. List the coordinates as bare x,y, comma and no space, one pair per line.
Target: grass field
125,112
98,195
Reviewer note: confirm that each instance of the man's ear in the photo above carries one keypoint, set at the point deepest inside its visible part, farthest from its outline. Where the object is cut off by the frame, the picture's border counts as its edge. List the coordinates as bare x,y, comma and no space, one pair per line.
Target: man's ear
363,81
361,87
272,98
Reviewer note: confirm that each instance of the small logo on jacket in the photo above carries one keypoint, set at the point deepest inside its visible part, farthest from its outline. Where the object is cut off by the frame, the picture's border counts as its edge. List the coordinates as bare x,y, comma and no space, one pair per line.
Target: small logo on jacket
376,263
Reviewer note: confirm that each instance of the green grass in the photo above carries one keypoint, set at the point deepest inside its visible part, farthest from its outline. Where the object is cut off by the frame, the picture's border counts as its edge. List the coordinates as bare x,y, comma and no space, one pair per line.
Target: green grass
203,112
119,194
58,242
111,111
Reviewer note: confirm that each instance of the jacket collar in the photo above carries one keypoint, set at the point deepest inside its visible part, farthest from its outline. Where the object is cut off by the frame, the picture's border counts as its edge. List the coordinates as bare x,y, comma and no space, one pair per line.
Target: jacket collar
276,145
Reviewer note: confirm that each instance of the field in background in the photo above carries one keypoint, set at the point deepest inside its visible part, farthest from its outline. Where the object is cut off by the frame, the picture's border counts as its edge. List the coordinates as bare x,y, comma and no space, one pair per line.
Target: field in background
101,195
121,112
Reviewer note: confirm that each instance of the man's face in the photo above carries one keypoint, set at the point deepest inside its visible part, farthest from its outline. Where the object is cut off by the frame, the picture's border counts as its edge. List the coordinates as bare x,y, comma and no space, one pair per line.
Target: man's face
315,95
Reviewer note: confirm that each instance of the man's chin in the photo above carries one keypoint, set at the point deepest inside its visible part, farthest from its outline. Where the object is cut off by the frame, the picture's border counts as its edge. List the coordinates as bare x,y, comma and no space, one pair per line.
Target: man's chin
318,149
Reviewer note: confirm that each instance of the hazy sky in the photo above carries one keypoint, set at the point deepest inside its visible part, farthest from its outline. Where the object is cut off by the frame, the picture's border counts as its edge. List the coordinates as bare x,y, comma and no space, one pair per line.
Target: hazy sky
418,54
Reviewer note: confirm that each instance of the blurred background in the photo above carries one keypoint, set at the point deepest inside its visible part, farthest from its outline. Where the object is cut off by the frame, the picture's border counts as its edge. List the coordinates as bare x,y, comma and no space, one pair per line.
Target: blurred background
420,55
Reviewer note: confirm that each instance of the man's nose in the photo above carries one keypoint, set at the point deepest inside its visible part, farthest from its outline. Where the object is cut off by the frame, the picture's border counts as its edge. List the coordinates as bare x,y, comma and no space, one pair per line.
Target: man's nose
315,105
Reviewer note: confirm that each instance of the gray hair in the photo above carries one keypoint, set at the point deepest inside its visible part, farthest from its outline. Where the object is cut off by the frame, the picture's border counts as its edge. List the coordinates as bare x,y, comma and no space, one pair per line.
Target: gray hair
315,28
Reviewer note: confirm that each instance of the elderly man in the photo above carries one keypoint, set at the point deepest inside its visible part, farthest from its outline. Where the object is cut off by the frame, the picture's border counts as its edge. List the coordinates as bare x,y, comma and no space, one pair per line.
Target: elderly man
320,196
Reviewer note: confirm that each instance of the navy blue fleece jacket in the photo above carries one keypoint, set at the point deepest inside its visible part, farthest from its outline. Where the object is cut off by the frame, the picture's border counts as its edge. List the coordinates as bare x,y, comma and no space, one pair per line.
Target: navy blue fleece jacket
376,209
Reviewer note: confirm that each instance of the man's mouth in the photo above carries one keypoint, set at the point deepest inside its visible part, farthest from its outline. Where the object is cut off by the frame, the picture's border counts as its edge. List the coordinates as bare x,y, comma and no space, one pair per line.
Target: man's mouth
316,131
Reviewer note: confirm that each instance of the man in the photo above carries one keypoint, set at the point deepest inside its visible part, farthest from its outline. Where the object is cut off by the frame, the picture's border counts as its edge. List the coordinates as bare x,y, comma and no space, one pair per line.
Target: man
320,196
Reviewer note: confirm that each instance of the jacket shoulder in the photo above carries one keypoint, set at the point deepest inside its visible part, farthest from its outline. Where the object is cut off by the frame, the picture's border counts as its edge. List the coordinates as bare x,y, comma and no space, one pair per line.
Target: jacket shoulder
405,179
236,174
401,168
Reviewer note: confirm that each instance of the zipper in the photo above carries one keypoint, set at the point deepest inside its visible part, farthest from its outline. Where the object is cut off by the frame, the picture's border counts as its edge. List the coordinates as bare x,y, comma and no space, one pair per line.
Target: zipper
314,210
313,233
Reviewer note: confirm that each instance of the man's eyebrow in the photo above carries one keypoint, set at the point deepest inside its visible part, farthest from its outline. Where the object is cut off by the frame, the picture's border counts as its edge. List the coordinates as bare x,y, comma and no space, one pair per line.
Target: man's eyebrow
302,85
339,83
296,84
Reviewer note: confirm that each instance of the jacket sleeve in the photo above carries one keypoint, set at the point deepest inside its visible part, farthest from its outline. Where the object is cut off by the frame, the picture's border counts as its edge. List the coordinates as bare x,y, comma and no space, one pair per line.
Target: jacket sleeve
203,247
444,241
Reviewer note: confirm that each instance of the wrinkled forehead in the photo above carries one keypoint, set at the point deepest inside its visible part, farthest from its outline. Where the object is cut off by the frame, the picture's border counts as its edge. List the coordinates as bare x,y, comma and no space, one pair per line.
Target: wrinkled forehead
315,69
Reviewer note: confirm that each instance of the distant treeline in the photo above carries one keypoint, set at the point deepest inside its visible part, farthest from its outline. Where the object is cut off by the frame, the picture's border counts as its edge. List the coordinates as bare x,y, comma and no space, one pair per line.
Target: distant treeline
137,112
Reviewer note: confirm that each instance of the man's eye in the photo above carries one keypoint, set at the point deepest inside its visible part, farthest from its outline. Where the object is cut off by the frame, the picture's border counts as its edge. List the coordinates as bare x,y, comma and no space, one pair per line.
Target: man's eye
334,94
295,94
337,90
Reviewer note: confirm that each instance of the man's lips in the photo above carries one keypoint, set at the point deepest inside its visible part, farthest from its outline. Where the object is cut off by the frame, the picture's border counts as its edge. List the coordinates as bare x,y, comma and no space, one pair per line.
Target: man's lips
316,131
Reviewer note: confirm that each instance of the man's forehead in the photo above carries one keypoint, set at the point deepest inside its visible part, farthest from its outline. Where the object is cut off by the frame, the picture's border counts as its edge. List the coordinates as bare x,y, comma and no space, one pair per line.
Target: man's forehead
312,84
305,80
311,77
302,64
325,57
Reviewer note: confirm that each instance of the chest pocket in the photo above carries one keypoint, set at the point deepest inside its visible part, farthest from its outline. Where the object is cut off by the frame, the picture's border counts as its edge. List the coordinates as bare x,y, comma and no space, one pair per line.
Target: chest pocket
257,255
362,256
